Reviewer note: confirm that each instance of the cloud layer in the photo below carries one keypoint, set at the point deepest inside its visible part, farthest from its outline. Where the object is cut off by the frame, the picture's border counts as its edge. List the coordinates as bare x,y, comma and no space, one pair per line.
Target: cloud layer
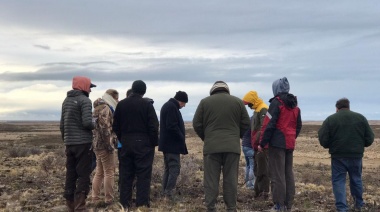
328,50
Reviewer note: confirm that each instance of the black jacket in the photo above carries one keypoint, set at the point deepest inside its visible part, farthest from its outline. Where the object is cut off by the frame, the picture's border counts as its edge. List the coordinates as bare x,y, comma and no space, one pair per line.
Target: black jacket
76,118
134,116
172,129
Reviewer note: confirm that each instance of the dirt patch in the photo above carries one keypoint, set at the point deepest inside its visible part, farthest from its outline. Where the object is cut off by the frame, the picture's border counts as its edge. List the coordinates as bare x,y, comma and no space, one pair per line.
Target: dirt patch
33,181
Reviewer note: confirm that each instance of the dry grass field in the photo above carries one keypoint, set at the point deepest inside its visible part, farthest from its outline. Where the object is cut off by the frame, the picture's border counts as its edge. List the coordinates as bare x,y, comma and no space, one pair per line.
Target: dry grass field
32,173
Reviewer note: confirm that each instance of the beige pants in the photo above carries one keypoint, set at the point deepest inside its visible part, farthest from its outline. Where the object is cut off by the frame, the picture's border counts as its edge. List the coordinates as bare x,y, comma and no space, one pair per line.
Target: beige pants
104,173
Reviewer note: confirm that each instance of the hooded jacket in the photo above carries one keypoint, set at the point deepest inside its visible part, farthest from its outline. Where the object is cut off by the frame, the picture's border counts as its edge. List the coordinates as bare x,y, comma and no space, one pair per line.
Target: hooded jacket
76,118
220,121
172,129
282,123
104,137
260,109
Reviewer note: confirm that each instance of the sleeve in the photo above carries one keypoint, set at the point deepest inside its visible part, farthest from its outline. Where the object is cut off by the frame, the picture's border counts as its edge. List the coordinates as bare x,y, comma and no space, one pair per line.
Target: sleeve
368,136
172,123
270,121
86,110
61,124
299,123
261,117
245,120
116,123
105,126
198,121
152,125
324,134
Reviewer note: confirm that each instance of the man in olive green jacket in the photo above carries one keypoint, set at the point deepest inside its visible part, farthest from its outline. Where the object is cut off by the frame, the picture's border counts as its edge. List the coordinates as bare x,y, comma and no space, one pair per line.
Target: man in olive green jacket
220,121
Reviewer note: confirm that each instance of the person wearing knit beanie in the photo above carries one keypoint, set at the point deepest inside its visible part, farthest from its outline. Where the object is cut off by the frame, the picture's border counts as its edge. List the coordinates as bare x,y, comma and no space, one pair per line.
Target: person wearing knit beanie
219,86
139,87
172,141
181,96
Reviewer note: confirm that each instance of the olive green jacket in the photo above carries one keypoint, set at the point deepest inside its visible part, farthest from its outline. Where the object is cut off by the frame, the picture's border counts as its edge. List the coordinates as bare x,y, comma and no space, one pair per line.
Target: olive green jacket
220,121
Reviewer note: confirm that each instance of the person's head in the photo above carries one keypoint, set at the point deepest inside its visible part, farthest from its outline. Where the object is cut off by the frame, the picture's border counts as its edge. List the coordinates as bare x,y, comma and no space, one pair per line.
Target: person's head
342,103
219,86
82,83
182,98
139,87
113,93
251,99
129,92
280,86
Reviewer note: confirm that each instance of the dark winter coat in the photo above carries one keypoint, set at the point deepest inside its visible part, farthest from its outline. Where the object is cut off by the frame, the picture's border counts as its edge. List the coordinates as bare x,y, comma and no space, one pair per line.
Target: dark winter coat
282,123
346,133
172,129
134,116
76,118
220,121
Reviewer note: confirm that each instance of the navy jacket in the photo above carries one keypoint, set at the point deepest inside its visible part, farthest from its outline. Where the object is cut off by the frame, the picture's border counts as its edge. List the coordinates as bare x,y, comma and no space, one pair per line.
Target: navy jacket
172,129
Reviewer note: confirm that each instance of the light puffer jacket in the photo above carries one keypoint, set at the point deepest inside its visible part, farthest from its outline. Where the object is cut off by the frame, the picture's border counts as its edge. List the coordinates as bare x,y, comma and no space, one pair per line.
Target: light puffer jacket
76,118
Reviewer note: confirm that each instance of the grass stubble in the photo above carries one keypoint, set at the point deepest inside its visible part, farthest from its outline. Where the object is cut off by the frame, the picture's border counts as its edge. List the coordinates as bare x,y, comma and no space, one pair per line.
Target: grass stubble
32,174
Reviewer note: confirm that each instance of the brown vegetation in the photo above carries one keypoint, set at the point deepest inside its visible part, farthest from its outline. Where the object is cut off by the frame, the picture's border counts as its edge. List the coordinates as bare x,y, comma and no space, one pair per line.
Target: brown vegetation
32,173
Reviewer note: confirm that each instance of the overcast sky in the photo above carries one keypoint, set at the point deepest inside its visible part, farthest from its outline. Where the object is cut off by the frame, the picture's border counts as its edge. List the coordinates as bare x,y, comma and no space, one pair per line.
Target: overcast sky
326,49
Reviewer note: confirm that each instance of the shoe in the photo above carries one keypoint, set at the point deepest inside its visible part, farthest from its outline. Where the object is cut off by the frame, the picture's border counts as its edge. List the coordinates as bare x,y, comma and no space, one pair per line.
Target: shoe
277,207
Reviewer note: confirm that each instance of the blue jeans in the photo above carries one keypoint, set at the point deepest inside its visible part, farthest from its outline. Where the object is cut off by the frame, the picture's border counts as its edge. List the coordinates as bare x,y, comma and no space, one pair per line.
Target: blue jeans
339,169
249,176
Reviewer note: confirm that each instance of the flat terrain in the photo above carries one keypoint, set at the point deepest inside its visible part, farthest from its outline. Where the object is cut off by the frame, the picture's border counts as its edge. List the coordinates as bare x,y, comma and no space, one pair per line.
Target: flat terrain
32,173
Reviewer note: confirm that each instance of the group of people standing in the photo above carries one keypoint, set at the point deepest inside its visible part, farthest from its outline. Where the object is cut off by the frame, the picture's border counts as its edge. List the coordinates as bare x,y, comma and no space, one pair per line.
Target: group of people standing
221,121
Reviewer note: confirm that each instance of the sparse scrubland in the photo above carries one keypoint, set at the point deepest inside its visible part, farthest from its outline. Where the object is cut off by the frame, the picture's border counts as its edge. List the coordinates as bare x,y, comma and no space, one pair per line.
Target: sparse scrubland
32,174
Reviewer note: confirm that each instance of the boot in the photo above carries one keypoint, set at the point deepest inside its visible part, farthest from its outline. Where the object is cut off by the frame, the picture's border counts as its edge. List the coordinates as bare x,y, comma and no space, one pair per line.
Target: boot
70,205
80,202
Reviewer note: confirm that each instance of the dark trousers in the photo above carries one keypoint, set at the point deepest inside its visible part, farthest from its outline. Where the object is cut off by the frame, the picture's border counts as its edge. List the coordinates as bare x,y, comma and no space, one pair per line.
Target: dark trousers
339,169
228,163
261,172
172,164
78,170
136,160
281,176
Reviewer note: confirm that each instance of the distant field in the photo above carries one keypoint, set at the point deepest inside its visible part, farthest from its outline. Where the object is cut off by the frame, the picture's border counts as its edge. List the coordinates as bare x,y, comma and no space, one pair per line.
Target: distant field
32,173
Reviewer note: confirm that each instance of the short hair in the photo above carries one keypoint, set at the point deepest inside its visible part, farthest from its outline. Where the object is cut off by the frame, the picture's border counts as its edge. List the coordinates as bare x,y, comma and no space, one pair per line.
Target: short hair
342,103
113,93
129,92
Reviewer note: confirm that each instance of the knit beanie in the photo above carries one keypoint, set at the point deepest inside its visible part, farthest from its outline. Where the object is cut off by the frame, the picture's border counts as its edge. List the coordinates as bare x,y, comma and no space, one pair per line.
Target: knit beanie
181,96
219,86
139,87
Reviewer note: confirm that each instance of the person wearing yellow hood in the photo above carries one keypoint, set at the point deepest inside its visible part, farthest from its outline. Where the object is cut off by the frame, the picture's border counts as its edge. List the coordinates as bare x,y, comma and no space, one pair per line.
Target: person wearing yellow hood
260,159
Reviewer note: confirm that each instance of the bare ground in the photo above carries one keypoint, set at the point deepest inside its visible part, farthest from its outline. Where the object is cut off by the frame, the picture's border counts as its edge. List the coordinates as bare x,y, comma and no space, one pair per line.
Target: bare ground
32,173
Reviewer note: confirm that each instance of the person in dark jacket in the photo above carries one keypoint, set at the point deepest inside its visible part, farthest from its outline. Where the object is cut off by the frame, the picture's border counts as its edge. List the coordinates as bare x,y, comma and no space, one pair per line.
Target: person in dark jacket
282,125
220,121
76,128
172,140
136,126
346,134
261,185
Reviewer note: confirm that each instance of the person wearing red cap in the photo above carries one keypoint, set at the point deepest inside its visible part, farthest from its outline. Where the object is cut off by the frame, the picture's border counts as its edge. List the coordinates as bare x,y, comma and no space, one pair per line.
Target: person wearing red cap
76,127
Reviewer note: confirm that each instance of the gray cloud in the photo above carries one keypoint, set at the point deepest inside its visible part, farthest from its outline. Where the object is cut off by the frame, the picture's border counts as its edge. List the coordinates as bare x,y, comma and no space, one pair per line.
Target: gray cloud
326,49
